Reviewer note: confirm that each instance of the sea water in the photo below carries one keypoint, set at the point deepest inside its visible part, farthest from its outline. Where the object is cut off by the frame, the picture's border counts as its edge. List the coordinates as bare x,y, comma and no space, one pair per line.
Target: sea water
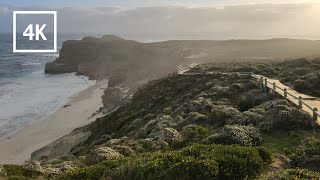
27,95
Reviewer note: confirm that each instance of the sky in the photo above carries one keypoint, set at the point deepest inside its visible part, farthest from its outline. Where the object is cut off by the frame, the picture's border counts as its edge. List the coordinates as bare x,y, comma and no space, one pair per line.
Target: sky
139,3
178,19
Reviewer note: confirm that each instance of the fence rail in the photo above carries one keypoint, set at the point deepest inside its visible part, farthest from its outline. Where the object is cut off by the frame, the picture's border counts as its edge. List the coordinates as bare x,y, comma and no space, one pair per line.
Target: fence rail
279,88
292,95
264,85
311,108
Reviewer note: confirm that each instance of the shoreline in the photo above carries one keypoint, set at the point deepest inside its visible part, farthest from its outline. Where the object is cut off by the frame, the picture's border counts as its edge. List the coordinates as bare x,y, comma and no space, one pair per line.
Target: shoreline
16,147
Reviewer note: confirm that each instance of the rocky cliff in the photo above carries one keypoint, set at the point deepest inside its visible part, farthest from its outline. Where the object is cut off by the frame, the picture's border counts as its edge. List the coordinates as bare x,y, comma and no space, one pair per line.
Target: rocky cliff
122,61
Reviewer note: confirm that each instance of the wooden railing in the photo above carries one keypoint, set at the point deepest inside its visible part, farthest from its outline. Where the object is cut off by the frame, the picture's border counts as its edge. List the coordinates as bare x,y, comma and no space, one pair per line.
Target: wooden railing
263,81
264,85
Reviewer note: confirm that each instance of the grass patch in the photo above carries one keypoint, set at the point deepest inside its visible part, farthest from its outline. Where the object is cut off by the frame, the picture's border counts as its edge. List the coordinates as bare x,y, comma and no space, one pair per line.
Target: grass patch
277,141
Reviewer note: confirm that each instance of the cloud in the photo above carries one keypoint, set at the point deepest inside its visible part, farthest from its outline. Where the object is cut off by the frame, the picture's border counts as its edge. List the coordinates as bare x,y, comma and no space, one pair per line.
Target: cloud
180,22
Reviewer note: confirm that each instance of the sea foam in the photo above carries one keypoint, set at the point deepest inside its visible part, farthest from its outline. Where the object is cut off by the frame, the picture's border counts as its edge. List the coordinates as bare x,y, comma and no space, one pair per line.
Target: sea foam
29,99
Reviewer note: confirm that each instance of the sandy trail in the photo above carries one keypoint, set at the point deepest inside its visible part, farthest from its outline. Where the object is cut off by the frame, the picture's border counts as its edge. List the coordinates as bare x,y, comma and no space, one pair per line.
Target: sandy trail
16,148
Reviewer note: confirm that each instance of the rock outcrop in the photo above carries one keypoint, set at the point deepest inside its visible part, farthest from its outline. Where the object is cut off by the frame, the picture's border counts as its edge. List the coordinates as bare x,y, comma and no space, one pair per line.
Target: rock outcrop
62,146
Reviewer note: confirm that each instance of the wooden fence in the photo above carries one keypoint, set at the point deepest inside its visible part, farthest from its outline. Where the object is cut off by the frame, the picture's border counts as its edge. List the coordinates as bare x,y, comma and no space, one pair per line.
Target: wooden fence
263,81
264,85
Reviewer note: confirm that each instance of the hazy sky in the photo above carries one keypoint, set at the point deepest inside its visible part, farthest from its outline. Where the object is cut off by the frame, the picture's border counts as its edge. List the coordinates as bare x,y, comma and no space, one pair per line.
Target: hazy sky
179,19
138,3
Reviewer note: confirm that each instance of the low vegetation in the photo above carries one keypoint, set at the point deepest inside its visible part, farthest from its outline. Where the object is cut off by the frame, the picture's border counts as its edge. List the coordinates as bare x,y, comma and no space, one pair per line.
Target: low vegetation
302,174
192,162
306,155
18,172
299,74
201,125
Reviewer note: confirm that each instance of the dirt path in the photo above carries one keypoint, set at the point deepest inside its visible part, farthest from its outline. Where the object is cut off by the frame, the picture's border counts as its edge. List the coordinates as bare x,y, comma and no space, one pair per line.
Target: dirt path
184,68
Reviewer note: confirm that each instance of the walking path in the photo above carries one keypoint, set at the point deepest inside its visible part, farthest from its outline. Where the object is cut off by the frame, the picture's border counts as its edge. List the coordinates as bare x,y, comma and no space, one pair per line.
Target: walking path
307,103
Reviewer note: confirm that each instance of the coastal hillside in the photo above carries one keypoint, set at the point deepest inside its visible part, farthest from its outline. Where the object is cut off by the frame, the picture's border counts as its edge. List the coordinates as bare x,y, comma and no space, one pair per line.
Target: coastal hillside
212,122
135,63
302,74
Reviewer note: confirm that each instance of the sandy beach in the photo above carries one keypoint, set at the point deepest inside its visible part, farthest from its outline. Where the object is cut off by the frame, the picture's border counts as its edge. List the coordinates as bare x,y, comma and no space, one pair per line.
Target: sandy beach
17,147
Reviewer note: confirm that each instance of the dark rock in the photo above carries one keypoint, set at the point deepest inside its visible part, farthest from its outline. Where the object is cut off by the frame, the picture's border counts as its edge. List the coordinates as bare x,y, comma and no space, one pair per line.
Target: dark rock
55,68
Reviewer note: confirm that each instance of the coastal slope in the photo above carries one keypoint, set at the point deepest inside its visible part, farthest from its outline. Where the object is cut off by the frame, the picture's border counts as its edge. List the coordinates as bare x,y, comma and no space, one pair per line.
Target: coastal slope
130,64
196,124
192,125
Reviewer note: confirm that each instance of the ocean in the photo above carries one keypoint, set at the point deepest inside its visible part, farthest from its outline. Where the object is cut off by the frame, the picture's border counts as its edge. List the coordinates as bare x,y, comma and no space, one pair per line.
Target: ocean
27,95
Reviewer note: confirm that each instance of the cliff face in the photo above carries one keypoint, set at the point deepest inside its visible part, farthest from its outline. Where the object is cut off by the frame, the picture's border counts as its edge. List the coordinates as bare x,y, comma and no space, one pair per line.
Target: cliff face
135,63
115,58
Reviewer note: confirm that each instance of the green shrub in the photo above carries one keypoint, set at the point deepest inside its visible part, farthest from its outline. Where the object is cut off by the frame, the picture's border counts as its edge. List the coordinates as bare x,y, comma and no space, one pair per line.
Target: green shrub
289,174
308,84
251,118
192,162
86,173
195,117
265,154
190,170
244,102
91,172
309,147
235,162
285,118
18,172
195,133
191,134
221,114
237,134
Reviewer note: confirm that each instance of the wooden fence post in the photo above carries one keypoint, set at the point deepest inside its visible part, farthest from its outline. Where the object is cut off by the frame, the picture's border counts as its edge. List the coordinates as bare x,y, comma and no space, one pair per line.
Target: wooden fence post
274,89
266,85
285,93
261,83
315,115
300,101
